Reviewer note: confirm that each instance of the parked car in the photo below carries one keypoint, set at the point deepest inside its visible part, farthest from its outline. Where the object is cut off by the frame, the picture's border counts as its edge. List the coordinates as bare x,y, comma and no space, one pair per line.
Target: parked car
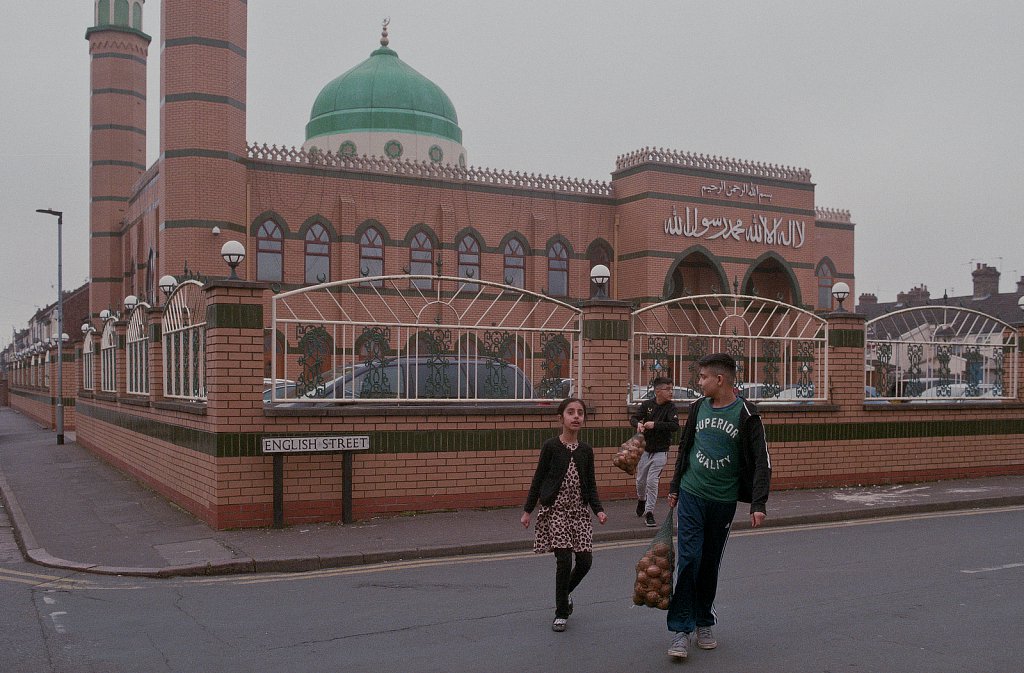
424,378
955,392
284,389
642,393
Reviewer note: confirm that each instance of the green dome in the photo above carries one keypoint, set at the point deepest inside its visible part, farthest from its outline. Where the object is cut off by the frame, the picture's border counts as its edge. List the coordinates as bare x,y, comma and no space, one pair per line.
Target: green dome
383,94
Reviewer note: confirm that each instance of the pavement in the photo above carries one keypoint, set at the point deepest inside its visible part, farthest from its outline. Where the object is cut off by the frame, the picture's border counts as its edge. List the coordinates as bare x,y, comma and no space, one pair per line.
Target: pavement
71,510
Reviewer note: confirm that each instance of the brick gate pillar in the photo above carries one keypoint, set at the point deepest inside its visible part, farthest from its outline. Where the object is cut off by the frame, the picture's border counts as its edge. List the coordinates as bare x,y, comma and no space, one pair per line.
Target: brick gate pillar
606,335
846,339
234,354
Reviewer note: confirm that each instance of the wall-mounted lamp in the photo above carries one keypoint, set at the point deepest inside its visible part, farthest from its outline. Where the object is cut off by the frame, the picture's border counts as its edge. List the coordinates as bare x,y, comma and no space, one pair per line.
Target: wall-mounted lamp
215,231
130,302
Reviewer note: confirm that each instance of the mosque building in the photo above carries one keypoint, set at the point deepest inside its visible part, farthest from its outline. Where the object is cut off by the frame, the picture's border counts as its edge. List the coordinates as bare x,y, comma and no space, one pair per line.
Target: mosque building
382,185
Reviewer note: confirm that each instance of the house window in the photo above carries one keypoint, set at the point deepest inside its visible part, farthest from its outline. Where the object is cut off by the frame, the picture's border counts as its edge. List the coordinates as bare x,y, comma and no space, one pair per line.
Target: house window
558,270
371,255
600,255
421,260
318,255
825,274
469,261
269,252
515,264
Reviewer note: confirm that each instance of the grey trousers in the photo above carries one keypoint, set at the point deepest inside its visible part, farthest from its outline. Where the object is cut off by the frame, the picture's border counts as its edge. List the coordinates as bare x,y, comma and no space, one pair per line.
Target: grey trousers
648,472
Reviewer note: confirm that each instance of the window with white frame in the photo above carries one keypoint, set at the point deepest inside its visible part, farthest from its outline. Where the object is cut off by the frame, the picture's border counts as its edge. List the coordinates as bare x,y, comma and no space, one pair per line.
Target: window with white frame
108,358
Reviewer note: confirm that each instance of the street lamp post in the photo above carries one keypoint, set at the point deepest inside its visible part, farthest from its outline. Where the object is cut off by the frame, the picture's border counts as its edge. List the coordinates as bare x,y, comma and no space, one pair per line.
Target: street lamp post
60,322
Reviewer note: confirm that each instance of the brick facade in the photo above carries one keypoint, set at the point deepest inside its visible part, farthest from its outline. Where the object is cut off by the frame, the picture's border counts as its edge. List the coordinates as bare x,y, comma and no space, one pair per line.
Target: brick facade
207,457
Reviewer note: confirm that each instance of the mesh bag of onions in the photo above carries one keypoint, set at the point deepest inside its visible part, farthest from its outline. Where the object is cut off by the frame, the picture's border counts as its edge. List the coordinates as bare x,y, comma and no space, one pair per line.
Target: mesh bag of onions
629,453
653,586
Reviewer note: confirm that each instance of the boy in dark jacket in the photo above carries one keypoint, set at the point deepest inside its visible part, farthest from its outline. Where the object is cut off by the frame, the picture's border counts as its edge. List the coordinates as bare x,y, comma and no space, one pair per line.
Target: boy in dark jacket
659,421
723,458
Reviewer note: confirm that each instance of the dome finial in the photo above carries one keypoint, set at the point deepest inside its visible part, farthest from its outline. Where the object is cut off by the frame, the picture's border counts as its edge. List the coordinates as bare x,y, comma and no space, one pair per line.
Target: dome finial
384,33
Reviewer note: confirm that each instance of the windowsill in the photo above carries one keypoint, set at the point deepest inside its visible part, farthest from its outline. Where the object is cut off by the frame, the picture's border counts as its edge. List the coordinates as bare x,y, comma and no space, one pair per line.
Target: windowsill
378,408
197,408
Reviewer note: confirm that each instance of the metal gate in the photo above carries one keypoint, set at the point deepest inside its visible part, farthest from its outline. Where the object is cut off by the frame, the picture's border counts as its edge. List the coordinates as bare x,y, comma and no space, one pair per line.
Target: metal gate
781,350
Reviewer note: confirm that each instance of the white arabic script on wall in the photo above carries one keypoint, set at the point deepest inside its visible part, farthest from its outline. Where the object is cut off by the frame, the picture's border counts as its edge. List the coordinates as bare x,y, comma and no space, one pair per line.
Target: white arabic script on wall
776,231
735,190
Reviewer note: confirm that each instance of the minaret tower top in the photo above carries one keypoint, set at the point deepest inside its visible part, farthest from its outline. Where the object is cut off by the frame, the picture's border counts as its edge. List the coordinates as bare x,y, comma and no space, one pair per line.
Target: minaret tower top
119,14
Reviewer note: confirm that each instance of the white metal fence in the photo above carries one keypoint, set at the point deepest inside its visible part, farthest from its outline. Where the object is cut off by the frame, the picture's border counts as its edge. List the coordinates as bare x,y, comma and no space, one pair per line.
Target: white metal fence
137,351
936,353
184,339
108,358
422,338
781,351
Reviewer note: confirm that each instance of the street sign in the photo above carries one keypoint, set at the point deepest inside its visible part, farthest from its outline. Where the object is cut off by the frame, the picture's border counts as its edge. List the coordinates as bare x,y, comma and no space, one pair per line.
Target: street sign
315,444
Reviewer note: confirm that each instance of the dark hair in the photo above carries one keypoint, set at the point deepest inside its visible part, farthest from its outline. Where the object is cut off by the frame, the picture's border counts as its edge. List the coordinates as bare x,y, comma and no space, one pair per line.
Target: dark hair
661,381
723,363
569,400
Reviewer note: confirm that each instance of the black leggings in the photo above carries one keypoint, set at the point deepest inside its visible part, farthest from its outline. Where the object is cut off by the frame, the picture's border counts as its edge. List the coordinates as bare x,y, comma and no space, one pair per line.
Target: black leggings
568,578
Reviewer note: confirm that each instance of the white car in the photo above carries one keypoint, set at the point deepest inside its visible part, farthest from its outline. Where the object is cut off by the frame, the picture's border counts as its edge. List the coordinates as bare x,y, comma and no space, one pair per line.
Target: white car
955,392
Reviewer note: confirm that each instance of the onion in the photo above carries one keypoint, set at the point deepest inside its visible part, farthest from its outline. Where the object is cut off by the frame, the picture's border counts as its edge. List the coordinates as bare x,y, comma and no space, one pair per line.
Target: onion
653,571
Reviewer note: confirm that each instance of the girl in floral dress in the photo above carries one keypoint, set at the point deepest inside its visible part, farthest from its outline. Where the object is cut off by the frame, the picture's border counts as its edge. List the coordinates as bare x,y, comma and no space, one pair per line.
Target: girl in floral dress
565,486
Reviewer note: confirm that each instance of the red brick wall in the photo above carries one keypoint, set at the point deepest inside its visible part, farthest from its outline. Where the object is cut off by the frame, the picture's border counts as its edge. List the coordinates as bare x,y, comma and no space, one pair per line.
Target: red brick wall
238,491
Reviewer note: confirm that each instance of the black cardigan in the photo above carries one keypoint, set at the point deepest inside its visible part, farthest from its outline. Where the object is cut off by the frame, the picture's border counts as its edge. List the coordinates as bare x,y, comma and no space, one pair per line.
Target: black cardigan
551,469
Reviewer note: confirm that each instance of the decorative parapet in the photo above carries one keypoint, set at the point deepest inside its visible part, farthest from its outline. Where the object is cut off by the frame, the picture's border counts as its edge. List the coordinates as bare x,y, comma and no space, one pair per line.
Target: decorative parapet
424,169
660,155
832,215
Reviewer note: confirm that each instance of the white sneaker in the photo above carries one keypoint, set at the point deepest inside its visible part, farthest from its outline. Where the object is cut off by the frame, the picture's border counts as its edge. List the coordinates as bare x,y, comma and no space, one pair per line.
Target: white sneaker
680,646
559,624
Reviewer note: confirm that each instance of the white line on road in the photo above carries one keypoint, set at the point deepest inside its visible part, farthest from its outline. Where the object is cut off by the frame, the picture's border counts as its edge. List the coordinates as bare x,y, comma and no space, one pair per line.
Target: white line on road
1008,566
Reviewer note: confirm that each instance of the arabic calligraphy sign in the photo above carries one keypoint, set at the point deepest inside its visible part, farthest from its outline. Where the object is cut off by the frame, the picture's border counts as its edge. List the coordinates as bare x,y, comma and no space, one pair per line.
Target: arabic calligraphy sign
763,229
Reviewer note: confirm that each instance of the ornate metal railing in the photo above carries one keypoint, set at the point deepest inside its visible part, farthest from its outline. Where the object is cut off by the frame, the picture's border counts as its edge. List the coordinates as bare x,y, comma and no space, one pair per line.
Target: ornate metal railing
89,363
108,357
661,155
941,353
137,351
184,335
419,338
781,351
425,169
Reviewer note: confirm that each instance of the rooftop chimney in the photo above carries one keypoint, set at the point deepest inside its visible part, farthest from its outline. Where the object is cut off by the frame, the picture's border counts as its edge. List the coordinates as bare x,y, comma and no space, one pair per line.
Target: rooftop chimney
1020,285
986,281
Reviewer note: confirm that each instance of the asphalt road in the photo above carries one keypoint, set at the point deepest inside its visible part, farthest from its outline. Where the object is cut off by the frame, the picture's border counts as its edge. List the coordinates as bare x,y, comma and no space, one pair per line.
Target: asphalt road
930,593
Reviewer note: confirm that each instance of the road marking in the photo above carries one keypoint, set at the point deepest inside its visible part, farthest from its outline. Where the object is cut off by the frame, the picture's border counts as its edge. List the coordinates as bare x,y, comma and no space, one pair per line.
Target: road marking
1008,566
57,626
11,571
40,581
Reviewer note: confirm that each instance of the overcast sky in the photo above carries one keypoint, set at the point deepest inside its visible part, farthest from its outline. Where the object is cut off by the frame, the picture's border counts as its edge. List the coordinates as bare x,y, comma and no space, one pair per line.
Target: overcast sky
908,114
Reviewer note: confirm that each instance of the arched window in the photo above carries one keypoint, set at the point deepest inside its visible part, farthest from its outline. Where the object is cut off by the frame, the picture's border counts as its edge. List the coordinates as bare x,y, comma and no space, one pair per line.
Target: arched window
421,260
600,254
515,264
318,255
137,16
825,274
469,261
371,255
121,13
151,278
269,252
558,270
103,13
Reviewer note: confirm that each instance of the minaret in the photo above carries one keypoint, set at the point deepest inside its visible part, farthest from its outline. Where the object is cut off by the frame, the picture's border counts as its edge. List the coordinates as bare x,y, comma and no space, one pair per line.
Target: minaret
202,133
117,147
